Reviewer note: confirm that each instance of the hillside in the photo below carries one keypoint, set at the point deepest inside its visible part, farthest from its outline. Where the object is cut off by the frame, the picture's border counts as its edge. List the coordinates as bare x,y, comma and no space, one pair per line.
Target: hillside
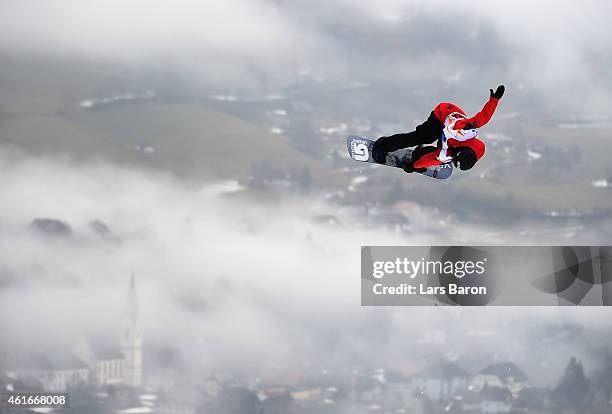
40,112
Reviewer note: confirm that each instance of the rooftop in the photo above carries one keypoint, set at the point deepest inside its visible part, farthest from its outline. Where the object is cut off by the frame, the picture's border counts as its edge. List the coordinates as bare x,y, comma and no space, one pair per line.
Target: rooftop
504,371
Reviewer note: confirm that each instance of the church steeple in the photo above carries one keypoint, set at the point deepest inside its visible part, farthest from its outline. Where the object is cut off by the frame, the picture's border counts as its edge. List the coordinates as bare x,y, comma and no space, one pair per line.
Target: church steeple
131,338
131,310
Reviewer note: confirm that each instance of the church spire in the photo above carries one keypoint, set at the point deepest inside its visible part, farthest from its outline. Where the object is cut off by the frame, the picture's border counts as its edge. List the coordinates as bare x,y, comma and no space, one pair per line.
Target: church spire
131,310
131,338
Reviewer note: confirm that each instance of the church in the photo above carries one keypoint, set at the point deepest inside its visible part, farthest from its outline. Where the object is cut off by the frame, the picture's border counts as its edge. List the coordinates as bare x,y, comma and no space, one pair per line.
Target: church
93,362
119,362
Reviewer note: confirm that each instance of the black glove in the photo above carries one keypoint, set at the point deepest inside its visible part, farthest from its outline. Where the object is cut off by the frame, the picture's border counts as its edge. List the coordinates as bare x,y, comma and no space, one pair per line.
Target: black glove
409,168
379,153
499,92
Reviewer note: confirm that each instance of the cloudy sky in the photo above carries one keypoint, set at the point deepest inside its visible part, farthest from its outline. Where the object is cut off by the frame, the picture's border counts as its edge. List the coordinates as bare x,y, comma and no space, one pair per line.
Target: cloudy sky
555,48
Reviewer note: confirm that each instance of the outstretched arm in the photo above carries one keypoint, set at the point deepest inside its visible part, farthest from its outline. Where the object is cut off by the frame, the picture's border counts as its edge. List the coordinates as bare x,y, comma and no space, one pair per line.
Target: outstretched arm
484,116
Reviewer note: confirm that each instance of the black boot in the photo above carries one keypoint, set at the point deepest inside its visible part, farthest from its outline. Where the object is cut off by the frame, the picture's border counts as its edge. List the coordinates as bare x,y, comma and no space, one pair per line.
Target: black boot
379,152
417,153
409,167
422,150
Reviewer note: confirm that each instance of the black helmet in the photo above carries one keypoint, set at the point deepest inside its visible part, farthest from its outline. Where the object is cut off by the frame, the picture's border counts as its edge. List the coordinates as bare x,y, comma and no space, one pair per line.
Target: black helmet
465,158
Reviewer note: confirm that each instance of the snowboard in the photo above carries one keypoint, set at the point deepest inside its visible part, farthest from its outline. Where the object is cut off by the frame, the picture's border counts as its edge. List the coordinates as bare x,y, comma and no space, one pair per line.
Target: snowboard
360,149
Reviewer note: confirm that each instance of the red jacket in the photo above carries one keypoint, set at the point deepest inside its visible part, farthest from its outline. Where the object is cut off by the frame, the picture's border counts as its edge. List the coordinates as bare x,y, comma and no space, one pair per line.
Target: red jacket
442,111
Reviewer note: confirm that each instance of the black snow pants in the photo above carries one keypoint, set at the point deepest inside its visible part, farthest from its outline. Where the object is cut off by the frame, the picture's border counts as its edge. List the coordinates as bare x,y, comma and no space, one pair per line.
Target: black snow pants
426,133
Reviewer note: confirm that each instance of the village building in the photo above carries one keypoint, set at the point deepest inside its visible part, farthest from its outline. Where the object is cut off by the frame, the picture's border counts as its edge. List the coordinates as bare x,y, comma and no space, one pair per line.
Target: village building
56,372
90,362
506,375
489,400
439,382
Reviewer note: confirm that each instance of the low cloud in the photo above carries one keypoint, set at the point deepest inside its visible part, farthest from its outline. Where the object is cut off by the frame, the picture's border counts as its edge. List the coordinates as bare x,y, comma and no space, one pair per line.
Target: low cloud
284,292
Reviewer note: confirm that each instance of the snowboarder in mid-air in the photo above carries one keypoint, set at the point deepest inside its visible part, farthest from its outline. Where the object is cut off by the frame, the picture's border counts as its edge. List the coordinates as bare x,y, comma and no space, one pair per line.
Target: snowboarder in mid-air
455,133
